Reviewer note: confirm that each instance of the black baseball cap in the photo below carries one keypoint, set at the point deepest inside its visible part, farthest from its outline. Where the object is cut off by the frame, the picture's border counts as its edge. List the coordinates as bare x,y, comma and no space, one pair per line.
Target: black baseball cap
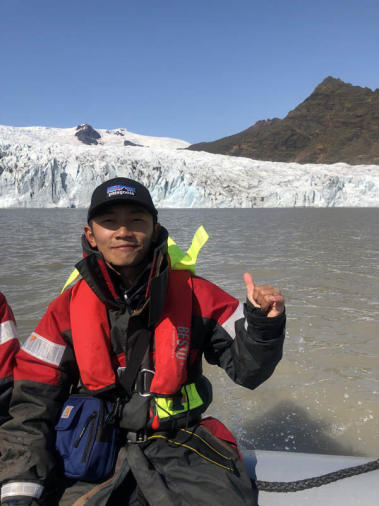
120,190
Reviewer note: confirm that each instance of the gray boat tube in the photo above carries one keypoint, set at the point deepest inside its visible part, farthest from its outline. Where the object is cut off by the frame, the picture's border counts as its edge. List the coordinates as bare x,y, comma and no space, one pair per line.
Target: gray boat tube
275,466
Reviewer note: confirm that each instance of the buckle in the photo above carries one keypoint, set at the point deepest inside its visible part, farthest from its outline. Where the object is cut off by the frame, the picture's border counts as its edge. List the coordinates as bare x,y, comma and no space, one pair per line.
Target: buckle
136,437
143,382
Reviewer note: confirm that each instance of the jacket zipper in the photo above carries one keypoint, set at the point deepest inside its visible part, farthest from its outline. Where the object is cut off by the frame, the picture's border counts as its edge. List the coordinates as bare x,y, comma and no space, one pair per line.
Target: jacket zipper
90,442
85,427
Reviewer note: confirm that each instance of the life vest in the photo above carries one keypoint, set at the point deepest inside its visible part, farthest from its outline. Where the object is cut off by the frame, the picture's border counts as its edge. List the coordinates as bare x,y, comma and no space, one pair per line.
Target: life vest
92,345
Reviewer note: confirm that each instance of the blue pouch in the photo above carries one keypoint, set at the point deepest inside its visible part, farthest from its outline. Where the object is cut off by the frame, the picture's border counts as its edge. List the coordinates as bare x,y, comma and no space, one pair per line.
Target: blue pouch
87,438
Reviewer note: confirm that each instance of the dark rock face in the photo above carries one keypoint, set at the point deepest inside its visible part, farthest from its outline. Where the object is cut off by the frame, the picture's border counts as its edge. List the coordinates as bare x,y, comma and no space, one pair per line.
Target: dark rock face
338,122
86,134
117,132
130,143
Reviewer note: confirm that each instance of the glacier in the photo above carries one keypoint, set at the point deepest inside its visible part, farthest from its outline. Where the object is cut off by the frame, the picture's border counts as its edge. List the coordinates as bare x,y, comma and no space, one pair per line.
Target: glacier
50,167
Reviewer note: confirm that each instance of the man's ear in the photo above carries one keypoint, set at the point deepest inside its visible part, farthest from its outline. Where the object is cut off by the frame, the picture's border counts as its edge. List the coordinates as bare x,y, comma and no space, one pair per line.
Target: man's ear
89,236
157,229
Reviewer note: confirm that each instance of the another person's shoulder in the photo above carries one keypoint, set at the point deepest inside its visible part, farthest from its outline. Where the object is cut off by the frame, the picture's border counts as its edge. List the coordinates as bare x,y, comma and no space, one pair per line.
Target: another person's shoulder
5,309
3,302
2,299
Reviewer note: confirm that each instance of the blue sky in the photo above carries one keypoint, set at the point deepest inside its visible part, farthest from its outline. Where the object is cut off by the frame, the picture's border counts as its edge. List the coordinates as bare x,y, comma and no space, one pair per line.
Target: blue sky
196,70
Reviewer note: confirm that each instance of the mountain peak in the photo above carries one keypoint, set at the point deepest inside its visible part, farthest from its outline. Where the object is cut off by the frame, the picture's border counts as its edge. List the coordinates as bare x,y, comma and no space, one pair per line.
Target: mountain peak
338,122
87,134
333,84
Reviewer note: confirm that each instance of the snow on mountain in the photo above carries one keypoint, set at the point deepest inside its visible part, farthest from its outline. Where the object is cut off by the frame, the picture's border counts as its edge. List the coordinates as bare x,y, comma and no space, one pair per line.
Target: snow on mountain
50,167
66,136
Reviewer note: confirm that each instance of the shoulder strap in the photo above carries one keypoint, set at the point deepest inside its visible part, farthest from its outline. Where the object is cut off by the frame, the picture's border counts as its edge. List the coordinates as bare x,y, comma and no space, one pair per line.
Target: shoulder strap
140,343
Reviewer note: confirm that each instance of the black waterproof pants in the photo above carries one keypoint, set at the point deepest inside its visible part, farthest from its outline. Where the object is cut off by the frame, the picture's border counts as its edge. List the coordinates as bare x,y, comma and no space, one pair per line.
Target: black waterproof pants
190,467
194,467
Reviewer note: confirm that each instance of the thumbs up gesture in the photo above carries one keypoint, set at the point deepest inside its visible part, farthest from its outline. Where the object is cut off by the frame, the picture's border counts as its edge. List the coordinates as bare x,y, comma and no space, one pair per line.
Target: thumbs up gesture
269,299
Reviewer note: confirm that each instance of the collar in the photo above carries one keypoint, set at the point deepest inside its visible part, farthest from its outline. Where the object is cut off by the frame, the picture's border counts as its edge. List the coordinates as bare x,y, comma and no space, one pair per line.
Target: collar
150,285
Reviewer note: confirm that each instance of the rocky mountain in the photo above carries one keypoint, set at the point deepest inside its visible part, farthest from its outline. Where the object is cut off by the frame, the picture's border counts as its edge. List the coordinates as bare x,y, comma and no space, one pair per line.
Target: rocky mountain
338,122
86,134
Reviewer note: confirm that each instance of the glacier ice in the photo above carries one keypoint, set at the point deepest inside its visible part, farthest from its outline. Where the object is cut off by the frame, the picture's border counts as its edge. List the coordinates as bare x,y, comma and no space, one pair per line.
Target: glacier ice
49,167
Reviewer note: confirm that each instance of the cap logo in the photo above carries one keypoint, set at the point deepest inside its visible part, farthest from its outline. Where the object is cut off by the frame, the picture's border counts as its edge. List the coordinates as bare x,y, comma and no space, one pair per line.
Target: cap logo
120,189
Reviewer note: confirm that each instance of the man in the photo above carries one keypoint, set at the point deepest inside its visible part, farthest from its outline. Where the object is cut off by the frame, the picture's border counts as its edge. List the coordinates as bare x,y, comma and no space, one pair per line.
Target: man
133,331
8,348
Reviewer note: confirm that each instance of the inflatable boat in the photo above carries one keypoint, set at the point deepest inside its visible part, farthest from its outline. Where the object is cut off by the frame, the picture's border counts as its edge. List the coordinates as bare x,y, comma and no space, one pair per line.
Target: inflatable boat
336,480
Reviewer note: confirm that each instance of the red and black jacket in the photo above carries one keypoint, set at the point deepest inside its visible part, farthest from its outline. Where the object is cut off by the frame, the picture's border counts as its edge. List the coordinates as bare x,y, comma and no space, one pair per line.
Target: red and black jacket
237,337
9,346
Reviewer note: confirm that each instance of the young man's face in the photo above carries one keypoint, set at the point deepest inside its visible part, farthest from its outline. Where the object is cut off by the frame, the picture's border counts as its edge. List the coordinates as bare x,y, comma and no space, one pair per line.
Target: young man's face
123,234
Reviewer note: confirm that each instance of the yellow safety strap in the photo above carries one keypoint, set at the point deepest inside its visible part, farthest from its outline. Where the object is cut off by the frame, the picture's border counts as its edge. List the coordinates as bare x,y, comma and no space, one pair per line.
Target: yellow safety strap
190,400
72,277
178,259
187,261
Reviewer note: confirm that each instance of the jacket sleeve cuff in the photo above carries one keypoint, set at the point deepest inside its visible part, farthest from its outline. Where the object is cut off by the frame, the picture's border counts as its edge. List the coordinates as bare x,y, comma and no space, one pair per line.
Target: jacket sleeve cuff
18,489
268,328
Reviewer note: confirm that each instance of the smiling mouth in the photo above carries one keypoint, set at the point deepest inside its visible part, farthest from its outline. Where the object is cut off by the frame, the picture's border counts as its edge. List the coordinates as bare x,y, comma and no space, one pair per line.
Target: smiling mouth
125,246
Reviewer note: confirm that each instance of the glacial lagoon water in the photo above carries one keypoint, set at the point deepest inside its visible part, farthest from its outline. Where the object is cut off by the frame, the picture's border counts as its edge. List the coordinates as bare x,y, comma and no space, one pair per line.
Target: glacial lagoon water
324,395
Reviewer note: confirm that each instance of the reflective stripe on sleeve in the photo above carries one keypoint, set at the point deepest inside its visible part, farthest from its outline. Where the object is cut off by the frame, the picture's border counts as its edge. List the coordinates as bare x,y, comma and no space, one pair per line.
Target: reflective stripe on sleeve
228,324
17,488
8,331
45,350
